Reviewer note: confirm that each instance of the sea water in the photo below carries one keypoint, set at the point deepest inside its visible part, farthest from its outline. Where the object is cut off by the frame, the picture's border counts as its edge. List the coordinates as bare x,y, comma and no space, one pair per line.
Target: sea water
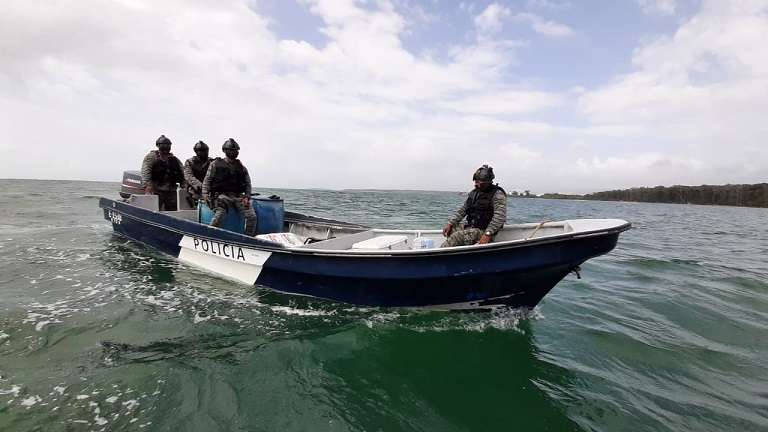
668,332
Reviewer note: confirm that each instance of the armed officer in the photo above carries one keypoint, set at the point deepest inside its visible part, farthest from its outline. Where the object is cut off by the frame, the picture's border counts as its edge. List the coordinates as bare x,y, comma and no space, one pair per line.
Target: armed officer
195,169
485,210
161,173
228,185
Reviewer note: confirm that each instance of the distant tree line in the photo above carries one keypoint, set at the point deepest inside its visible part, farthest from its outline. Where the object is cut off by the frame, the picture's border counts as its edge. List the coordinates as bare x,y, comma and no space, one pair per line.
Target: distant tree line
560,196
742,195
526,194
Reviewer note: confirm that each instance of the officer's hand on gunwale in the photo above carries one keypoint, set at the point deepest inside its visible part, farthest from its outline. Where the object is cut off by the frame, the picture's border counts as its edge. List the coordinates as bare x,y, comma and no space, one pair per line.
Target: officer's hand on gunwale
447,230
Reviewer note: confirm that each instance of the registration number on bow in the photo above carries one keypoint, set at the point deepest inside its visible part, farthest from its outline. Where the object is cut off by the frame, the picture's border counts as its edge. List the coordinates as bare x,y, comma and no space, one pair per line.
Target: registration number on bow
115,217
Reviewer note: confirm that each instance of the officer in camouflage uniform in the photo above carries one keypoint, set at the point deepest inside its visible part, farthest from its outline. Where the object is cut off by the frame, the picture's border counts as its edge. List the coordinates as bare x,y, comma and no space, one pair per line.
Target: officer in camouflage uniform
228,185
161,173
485,210
195,169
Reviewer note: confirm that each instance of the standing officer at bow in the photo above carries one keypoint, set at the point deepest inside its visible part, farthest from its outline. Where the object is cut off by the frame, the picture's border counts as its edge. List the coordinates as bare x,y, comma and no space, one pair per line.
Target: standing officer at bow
195,169
228,185
161,173
485,210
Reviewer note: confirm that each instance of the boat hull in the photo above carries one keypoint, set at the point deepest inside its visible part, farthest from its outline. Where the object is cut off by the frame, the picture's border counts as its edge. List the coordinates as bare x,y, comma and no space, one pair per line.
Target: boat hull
518,276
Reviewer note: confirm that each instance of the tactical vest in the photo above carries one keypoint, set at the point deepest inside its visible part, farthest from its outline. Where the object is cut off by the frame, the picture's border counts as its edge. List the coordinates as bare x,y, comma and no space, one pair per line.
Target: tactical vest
480,207
227,177
166,172
199,167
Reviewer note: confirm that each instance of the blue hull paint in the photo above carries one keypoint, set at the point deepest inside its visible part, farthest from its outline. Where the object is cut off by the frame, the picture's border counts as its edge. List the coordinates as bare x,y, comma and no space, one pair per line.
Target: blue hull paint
518,277
514,276
156,236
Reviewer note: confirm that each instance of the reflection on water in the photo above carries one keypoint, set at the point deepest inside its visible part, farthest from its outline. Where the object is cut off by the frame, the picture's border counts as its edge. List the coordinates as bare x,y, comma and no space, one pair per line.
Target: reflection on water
410,378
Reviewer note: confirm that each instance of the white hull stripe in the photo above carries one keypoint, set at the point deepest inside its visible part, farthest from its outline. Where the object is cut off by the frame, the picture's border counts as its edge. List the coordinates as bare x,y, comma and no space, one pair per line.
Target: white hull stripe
229,260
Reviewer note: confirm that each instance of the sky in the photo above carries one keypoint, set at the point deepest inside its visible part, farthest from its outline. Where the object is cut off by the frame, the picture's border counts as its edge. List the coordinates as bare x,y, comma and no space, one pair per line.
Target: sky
557,95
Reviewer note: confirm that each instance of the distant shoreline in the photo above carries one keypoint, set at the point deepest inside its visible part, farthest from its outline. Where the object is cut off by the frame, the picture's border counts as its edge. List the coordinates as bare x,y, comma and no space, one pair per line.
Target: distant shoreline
740,195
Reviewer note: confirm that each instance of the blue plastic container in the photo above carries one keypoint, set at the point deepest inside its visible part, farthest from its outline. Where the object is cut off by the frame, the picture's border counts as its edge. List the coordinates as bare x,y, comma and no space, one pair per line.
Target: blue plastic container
270,214
233,221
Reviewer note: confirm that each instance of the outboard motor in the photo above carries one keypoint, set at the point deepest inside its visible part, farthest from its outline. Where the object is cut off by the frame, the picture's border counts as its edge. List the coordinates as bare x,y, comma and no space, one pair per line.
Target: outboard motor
131,184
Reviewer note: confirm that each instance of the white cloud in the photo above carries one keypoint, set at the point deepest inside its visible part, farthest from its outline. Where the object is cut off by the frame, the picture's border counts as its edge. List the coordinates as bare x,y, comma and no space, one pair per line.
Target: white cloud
544,27
484,125
505,102
354,112
639,165
642,169
490,20
702,90
518,154
658,7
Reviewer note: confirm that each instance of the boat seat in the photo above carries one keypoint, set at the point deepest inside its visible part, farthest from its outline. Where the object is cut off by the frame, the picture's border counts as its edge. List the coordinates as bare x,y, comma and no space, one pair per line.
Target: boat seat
182,199
149,202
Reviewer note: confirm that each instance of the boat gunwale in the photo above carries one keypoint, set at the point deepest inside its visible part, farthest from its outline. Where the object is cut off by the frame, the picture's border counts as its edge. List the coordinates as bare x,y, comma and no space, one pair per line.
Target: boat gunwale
456,250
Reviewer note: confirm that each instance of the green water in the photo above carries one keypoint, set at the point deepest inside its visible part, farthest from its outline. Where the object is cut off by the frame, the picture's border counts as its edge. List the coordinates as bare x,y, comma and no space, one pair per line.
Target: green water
668,332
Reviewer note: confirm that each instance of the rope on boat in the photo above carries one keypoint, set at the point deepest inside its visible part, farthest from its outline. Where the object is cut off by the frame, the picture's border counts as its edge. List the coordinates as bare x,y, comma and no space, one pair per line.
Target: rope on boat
577,270
538,227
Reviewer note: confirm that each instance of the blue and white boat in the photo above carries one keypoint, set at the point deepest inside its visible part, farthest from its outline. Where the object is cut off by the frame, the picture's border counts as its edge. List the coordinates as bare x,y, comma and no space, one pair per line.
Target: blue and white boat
364,266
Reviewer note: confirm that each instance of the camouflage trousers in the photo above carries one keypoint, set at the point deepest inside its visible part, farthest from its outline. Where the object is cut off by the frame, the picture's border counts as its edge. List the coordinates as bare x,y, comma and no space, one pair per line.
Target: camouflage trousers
235,202
193,196
167,200
463,237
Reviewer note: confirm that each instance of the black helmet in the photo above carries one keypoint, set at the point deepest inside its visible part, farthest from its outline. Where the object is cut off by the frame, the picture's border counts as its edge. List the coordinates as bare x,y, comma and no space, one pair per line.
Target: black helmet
230,144
200,146
484,173
162,140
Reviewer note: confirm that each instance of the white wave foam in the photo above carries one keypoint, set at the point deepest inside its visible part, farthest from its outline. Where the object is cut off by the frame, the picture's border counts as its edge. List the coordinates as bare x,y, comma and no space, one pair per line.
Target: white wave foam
30,401
381,318
303,312
198,319
13,391
130,405
41,324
